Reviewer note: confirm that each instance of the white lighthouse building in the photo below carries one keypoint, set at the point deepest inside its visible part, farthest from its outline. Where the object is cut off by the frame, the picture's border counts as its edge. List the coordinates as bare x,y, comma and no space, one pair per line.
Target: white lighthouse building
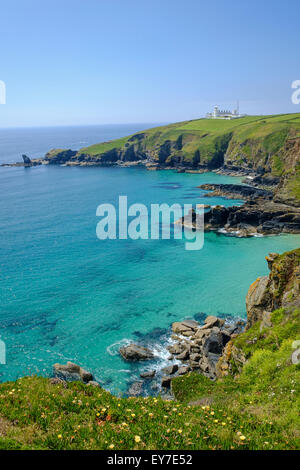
224,114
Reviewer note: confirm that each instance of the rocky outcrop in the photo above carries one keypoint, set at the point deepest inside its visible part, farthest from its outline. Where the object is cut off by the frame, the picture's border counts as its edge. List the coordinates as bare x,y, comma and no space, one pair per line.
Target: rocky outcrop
199,348
280,289
59,156
256,217
26,160
71,371
235,191
134,352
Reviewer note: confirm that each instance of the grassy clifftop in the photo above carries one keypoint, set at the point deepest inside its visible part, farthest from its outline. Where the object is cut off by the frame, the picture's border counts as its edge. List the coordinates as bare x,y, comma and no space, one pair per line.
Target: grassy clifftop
265,144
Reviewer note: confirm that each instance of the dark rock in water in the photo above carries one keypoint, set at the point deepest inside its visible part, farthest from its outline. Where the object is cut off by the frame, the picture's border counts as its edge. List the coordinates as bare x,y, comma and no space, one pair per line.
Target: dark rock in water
170,369
85,375
148,374
134,352
26,160
166,381
135,389
236,190
71,371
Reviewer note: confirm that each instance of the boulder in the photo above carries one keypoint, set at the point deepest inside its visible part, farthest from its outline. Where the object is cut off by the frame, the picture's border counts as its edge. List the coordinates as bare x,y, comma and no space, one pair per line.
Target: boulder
170,369
195,357
183,370
185,326
134,352
213,344
166,381
184,355
148,374
71,371
175,348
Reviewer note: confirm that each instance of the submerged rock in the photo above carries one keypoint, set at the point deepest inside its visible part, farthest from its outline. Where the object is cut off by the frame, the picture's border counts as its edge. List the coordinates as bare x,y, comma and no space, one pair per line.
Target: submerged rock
134,352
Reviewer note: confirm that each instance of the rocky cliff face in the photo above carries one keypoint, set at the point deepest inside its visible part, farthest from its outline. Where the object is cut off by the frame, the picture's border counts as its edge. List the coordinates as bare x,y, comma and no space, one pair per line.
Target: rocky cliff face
280,289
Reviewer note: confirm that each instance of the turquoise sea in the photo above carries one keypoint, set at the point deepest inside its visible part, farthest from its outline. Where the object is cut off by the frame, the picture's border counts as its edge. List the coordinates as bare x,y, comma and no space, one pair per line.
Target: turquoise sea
65,295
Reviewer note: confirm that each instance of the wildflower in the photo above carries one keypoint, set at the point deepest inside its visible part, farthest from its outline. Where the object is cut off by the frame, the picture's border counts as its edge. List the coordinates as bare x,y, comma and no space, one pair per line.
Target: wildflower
212,413
98,414
137,438
174,409
150,414
223,424
133,415
111,446
180,431
59,436
103,410
242,438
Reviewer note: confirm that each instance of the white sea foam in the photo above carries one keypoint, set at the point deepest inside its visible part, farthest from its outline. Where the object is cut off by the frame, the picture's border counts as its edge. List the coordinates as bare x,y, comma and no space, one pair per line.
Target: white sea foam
113,349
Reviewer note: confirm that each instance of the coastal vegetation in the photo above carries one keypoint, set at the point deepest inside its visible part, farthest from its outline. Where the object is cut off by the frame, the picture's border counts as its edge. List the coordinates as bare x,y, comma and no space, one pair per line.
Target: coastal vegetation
254,404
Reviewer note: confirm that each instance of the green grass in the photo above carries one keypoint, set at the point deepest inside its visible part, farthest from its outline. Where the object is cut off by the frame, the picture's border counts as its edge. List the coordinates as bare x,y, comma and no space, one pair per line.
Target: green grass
259,409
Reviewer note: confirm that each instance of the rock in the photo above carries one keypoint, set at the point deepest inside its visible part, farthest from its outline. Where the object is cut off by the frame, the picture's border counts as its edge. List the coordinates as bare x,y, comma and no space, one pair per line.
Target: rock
175,348
134,352
212,321
195,357
266,320
148,374
213,344
200,334
183,370
194,365
93,383
71,371
257,298
170,369
86,376
185,326
184,355
166,381
135,389
26,160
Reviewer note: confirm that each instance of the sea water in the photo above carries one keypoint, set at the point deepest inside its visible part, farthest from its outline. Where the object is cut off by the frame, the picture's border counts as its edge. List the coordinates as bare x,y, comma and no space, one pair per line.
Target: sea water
66,295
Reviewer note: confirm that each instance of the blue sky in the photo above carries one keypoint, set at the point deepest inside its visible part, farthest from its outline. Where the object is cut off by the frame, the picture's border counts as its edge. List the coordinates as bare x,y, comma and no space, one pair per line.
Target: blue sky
128,61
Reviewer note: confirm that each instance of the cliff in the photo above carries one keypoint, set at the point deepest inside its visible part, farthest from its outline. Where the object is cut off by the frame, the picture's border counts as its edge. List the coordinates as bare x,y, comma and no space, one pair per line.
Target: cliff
273,313
266,146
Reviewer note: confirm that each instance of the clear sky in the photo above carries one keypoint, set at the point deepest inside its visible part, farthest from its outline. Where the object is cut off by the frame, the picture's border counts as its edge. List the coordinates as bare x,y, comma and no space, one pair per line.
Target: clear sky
128,61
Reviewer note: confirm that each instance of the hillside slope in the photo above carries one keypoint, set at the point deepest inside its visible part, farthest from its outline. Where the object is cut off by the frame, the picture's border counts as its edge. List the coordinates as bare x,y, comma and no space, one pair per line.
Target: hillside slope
266,145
